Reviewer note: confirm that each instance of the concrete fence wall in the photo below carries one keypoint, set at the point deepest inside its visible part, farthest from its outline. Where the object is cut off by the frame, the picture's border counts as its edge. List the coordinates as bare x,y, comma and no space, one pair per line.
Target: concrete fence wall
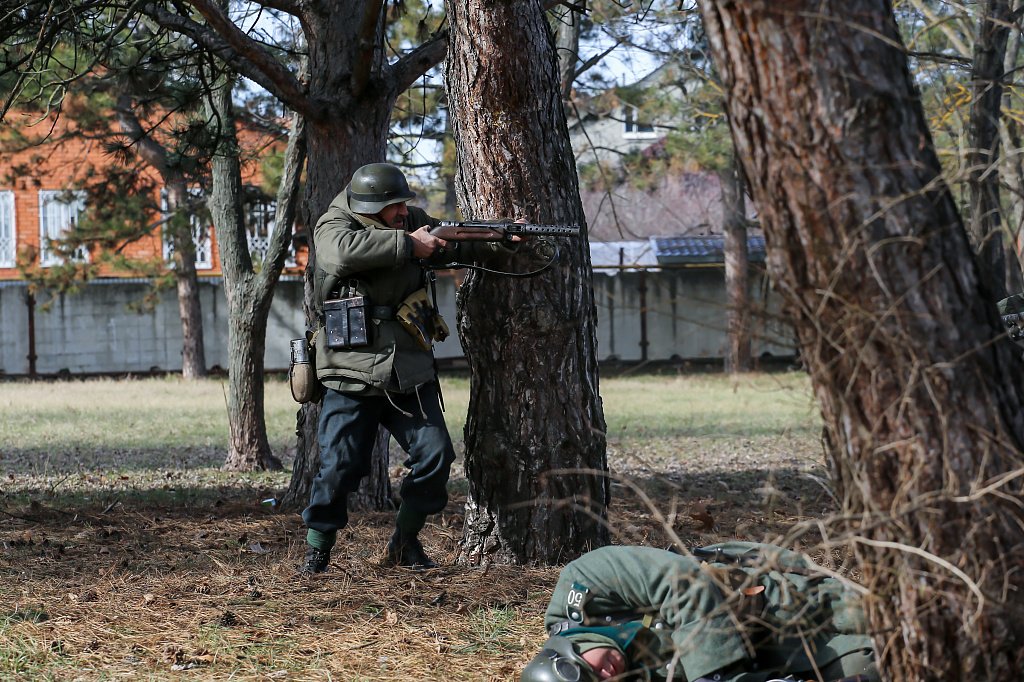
677,313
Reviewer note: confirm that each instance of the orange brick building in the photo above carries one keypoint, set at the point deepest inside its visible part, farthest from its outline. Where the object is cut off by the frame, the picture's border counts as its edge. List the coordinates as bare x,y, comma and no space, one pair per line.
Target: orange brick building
40,197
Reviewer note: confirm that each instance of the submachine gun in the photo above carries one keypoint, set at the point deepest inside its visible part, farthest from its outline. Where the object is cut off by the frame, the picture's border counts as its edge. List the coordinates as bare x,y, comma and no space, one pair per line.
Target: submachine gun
498,230
501,231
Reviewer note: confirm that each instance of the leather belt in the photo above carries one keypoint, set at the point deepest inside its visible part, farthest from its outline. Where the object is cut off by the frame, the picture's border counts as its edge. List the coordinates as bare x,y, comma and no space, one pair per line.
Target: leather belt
382,312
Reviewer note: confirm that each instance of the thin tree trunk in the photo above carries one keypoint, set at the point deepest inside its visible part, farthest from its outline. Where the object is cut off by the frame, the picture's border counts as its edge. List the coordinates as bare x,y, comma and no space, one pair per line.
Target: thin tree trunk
535,442
568,26
923,406
734,228
991,32
193,353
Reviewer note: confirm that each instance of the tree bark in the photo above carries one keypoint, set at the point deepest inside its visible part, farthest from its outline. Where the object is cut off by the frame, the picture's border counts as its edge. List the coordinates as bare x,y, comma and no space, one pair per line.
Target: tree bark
734,228
1012,171
193,351
920,399
351,132
249,294
568,26
535,442
991,32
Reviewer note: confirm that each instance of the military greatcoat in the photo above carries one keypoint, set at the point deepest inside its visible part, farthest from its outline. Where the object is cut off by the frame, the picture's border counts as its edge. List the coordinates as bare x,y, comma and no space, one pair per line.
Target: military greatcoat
760,617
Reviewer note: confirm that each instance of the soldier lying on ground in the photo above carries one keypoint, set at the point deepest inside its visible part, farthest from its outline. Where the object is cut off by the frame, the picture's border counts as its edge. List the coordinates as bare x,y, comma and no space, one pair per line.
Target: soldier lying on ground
645,613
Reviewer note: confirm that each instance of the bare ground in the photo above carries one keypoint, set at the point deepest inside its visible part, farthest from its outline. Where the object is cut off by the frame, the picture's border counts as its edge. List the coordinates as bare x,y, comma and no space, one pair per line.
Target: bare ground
183,573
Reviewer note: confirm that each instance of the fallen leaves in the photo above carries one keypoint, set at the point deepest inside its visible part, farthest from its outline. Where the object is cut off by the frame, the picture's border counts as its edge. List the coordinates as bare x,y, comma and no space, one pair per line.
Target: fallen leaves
700,515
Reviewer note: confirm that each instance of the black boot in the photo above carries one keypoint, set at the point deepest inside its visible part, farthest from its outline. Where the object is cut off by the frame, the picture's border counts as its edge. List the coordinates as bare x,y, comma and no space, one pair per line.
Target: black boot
316,560
405,550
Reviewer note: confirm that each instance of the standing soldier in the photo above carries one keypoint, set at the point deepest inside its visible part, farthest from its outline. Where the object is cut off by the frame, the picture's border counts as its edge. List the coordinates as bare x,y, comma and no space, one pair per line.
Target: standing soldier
751,613
374,357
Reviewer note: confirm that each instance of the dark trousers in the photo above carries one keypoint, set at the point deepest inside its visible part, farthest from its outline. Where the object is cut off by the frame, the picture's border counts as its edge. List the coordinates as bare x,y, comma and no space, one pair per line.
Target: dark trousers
348,428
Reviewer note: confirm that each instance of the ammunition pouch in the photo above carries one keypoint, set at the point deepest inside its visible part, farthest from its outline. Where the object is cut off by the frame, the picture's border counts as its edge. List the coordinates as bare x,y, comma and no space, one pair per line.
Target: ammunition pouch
302,379
421,320
345,322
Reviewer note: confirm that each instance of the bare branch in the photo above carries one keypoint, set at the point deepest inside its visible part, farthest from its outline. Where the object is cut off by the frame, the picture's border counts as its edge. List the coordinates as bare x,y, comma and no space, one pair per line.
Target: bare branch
240,52
366,45
295,9
417,62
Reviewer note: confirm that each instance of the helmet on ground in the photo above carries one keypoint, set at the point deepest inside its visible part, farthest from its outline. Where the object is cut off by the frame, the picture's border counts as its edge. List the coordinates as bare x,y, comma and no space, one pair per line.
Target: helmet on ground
377,185
557,662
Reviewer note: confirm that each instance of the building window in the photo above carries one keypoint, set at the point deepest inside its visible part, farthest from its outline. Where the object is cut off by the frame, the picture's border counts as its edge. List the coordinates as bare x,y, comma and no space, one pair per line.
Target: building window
7,232
59,211
632,128
259,225
200,233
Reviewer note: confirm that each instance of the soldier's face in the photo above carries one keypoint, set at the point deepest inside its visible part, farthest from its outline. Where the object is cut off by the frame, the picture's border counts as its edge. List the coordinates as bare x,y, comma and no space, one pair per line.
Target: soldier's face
606,662
393,215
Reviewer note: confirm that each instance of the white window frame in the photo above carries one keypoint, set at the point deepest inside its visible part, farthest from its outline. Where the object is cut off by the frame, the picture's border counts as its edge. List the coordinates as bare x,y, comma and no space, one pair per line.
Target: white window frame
200,235
8,230
631,129
259,226
56,216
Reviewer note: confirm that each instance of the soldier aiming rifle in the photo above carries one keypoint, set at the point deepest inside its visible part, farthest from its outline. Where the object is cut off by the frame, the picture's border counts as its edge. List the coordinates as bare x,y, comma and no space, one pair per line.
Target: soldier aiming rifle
373,351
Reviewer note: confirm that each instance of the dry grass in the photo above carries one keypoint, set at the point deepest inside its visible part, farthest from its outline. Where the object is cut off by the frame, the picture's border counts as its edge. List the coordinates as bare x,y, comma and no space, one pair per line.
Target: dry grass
144,561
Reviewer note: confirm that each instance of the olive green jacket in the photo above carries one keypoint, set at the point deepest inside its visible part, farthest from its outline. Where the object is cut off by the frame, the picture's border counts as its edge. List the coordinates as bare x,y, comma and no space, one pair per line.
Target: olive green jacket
794,619
356,253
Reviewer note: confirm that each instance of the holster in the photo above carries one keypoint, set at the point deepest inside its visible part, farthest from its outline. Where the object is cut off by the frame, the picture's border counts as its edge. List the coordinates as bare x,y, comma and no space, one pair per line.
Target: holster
346,322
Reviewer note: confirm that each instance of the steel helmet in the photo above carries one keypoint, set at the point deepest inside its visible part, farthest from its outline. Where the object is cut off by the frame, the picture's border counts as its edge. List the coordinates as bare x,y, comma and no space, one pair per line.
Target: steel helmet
377,185
557,662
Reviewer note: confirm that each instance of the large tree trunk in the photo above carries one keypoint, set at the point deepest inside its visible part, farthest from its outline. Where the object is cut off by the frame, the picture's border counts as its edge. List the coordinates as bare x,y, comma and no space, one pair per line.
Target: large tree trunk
737,268
991,32
337,148
348,76
923,406
535,442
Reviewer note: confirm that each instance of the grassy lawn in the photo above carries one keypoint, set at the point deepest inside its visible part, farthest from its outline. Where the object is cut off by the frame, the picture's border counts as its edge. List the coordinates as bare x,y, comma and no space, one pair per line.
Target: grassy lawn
125,552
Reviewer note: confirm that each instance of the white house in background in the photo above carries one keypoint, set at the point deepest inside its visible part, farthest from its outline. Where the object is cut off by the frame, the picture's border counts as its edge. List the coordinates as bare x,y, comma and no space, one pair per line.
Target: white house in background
604,127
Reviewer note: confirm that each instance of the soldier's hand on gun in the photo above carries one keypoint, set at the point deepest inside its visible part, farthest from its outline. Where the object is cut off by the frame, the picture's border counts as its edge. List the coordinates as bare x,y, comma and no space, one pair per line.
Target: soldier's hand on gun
425,244
520,237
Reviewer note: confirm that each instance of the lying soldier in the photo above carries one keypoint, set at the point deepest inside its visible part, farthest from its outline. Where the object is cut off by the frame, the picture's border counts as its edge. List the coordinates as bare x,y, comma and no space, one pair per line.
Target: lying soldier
749,613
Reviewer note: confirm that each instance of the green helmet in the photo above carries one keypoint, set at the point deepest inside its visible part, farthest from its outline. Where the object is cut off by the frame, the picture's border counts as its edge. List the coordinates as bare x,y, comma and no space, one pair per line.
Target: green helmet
377,185
557,662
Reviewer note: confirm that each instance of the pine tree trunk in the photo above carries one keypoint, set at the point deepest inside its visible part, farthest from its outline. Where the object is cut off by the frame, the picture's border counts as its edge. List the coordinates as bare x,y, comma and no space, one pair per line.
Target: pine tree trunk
535,442
990,36
865,244
249,294
336,149
734,228
568,26
193,352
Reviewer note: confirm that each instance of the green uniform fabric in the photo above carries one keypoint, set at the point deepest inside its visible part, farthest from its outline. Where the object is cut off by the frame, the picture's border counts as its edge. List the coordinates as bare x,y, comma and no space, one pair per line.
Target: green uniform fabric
797,623
352,249
1011,305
